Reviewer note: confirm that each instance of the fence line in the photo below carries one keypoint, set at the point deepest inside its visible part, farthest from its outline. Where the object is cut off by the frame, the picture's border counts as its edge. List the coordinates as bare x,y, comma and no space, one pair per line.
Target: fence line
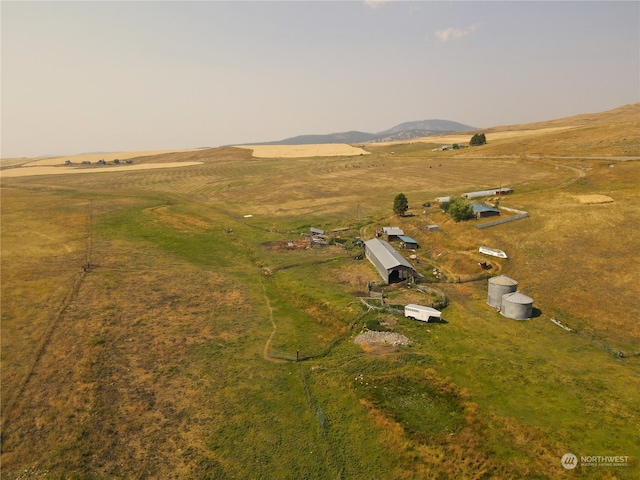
502,220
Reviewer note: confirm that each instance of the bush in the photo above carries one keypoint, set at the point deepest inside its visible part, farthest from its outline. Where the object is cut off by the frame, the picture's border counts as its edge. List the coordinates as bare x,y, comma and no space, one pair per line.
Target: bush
459,209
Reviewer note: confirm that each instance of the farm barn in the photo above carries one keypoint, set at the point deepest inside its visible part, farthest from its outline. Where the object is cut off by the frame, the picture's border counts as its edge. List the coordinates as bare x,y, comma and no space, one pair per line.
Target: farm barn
482,211
487,193
391,266
408,242
392,233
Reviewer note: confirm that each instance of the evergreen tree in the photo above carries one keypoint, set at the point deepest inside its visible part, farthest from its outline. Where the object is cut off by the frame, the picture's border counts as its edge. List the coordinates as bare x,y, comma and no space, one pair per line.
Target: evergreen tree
478,139
400,204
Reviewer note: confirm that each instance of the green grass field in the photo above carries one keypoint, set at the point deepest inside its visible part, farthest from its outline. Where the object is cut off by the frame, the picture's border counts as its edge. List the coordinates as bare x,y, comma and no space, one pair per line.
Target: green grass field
172,354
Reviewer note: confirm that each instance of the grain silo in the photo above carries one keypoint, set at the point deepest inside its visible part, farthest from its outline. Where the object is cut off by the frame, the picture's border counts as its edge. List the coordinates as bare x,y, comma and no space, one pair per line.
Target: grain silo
516,305
498,286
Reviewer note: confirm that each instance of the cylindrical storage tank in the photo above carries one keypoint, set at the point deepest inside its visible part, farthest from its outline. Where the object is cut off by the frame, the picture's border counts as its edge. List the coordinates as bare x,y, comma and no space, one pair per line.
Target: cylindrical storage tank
516,305
499,286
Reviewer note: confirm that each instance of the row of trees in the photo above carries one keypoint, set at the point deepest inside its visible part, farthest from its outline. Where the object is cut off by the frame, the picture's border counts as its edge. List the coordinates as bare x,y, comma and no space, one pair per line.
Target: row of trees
458,208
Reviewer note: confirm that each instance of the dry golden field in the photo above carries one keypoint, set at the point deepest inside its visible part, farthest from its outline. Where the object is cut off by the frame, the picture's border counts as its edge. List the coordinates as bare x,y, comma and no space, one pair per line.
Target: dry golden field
302,151
148,323
66,170
107,157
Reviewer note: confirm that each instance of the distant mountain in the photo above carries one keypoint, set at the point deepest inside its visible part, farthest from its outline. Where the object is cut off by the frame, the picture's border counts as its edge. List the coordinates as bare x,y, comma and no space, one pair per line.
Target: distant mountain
403,131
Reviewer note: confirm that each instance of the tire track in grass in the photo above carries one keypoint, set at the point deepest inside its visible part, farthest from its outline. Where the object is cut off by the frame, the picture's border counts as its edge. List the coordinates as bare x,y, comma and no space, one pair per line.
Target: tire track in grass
70,296
267,345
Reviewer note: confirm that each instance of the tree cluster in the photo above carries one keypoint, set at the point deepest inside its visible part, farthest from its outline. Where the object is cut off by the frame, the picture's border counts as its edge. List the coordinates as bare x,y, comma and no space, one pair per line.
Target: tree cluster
478,139
458,209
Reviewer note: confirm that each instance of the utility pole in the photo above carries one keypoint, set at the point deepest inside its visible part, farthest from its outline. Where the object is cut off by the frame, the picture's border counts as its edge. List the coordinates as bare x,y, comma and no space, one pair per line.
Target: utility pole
89,235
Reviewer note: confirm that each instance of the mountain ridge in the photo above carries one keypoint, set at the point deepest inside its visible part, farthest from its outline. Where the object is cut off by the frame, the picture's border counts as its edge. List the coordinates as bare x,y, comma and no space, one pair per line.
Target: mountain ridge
402,131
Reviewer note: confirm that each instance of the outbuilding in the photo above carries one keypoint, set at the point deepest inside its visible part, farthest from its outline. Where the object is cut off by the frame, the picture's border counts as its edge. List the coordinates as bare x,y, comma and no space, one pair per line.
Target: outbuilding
488,193
391,266
408,242
392,233
482,211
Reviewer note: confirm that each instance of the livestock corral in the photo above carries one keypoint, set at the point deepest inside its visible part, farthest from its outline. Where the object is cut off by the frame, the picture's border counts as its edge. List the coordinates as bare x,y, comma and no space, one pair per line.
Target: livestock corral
180,322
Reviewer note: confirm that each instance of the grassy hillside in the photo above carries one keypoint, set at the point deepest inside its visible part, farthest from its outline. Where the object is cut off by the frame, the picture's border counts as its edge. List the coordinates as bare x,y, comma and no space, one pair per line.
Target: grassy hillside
151,319
609,134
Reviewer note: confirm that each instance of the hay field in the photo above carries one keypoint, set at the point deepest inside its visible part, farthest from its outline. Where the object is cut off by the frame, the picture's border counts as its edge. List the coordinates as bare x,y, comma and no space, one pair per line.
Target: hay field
107,157
28,171
170,354
303,151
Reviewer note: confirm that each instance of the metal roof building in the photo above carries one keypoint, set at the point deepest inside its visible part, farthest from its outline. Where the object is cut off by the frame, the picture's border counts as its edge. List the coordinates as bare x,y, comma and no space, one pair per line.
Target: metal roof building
488,193
408,242
484,211
391,266
392,232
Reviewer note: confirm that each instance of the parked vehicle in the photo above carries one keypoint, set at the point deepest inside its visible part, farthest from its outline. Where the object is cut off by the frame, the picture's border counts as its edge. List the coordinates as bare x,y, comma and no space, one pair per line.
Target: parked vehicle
419,312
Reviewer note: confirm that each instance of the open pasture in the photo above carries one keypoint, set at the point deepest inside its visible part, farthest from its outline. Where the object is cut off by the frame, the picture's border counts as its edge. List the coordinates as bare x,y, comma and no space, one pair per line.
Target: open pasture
169,354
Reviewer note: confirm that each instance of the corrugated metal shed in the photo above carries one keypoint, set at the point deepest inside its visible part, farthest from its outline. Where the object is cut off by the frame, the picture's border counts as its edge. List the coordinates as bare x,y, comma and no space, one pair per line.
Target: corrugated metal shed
478,208
390,264
408,241
316,231
488,193
393,231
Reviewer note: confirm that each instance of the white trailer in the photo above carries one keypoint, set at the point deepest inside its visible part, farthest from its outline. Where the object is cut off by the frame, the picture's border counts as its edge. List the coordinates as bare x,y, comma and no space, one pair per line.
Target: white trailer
418,312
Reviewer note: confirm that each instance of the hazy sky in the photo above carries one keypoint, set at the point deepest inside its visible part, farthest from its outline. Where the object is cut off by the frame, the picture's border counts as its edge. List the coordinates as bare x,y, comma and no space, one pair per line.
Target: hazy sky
115,76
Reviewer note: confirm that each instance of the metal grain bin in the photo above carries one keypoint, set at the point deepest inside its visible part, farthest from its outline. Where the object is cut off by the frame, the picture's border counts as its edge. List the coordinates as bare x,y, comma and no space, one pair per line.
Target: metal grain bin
499,286
516,305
